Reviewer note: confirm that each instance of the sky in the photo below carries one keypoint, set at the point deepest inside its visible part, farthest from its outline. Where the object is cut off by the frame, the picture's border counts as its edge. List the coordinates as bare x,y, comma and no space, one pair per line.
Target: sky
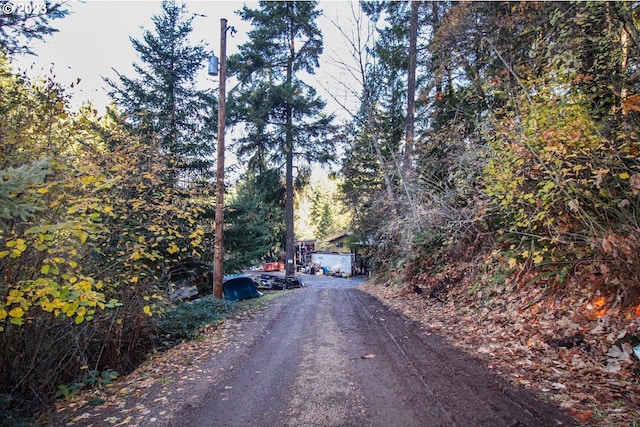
94,39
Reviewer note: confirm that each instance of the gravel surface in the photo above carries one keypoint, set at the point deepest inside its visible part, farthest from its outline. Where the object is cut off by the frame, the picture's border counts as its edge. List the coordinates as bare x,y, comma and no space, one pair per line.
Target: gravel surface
331,355
325,355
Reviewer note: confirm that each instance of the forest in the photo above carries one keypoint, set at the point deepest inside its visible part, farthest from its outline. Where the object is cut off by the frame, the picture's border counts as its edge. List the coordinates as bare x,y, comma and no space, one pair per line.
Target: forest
494,154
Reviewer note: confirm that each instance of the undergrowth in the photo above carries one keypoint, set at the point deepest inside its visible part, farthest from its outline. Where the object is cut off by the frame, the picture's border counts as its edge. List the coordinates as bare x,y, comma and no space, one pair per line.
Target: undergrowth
185,320
182,322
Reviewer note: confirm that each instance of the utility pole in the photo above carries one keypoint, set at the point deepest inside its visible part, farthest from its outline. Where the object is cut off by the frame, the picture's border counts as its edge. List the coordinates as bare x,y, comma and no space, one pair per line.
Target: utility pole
218,243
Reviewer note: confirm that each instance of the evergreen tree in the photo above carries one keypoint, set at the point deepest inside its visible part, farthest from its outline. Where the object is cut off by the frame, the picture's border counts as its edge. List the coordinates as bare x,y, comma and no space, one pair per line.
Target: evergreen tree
18,28
283,116
254,229
162,101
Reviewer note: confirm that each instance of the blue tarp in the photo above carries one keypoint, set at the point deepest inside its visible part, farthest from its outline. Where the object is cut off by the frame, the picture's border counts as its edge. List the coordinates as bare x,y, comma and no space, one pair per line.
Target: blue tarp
239,287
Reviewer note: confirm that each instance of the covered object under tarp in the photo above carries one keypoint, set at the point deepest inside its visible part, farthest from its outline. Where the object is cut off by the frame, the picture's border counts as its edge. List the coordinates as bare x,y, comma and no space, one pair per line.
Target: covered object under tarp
239,287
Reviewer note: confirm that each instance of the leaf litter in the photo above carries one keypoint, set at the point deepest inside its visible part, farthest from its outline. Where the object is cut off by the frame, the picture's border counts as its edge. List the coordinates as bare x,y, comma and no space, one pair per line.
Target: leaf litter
159,387
572,347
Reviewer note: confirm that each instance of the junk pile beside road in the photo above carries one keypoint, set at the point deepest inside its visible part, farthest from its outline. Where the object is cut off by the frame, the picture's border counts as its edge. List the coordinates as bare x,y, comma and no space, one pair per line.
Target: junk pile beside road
271,282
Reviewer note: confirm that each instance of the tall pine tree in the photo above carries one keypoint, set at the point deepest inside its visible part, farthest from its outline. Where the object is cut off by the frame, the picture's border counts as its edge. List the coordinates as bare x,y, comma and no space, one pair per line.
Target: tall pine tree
18,29
163,101
283,116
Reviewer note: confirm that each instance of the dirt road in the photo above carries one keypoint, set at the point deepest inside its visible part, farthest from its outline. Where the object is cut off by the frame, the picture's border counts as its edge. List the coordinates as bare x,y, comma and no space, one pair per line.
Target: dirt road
331,355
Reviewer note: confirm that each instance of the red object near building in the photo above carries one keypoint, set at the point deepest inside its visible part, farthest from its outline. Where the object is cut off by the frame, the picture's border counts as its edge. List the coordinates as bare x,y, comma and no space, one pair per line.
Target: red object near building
273,266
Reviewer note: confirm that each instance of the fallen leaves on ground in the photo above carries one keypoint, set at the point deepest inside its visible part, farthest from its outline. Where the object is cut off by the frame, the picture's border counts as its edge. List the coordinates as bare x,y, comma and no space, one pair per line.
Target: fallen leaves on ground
157,388
564,346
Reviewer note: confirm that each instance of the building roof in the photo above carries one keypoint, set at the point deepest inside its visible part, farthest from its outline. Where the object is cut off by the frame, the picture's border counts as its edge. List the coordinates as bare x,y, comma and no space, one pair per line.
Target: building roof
338,237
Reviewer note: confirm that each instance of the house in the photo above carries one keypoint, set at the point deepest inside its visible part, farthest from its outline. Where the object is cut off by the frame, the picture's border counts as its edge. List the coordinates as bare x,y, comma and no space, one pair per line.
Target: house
339,243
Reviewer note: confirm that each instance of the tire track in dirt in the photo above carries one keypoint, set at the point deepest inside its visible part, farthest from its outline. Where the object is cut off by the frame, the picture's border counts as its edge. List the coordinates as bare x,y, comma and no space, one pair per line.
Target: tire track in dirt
331,355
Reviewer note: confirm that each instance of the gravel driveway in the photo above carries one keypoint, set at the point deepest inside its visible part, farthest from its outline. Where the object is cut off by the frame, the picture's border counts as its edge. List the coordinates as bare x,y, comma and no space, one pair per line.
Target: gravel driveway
325,355
331,355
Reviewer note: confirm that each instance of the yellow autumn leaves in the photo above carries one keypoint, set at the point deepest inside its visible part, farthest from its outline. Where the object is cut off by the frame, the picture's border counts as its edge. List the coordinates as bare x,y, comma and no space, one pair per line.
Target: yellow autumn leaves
537,258
15,248
104,221
556,179
74,297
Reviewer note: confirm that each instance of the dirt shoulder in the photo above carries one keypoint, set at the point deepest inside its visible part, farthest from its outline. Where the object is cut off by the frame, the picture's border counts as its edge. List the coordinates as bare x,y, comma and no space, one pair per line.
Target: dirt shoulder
167,382
560,346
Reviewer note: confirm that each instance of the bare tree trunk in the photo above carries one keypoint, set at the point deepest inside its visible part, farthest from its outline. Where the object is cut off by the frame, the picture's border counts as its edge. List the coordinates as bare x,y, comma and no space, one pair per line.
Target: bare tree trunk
359,42
288,207
624,64
289,233
383,167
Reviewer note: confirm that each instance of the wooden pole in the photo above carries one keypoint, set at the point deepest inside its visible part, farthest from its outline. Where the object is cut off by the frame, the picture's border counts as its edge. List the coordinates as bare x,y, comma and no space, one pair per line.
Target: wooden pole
218,263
